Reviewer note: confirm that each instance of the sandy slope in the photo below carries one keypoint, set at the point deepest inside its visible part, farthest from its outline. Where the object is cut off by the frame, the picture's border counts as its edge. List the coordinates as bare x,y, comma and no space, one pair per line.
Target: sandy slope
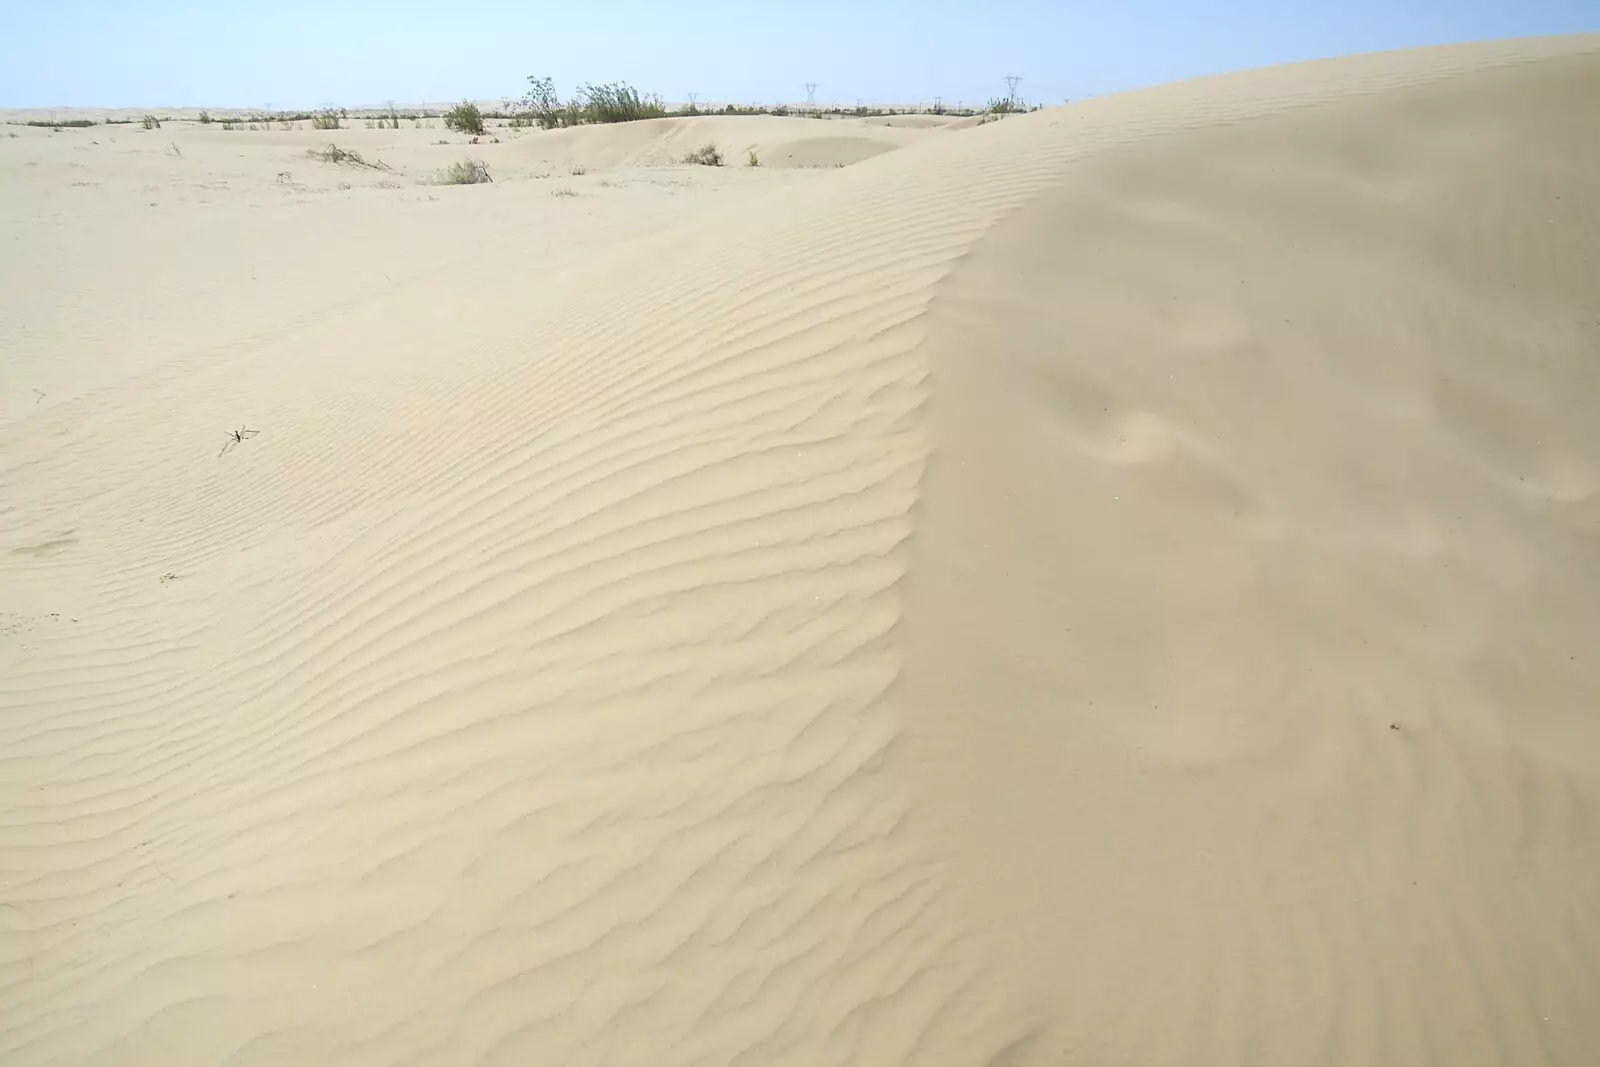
1115,585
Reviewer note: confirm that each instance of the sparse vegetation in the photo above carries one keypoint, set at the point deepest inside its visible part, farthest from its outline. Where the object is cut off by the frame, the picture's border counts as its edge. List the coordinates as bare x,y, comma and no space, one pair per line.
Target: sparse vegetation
1005,105
751,159
704,156
205,118
55,124
150,122
464,172
464,117
325,120
565,190
578,170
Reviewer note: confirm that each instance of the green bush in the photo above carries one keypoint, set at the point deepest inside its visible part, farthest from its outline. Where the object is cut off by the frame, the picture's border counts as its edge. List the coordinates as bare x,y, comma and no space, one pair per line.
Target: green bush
325,120
543,103
618,102
752,160
464,117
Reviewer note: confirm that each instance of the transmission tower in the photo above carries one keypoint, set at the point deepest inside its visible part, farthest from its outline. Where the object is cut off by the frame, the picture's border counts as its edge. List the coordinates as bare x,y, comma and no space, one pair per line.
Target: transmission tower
694,100
811,96
1011,87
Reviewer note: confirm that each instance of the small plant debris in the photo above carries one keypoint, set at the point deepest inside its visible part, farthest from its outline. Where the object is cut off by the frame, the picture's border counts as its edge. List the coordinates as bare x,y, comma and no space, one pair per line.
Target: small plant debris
235,439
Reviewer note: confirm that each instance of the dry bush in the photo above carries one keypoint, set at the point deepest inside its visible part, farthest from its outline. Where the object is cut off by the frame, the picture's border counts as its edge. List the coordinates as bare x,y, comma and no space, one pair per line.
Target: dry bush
704,156
332,153
464,172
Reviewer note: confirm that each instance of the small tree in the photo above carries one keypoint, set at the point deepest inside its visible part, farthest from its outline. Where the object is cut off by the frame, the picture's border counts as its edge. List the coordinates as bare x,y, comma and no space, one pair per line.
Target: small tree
464,117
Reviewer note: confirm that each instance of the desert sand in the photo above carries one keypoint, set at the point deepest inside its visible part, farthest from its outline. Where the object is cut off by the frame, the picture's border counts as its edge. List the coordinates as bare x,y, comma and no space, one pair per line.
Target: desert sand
1119,584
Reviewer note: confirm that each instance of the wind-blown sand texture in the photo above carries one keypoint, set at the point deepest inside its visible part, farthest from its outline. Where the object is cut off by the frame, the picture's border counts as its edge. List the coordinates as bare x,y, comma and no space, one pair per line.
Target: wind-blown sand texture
1115,585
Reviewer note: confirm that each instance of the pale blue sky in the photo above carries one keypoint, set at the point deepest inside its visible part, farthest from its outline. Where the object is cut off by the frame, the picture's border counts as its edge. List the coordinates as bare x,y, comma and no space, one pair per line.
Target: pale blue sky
302,53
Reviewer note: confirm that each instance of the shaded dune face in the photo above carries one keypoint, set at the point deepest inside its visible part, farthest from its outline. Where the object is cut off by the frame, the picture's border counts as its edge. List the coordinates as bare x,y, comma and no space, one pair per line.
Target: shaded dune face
1107,585
1255,574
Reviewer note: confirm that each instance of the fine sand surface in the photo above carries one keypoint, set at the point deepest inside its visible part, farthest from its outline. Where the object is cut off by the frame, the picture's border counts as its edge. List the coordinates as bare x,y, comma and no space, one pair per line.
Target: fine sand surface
1115,585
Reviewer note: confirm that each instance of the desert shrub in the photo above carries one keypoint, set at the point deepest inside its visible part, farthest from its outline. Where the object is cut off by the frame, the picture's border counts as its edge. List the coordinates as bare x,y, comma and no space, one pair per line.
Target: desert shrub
705,156
57,124
578,170
150,122
752,160
464,117
325,120
205,118
464,172
565,190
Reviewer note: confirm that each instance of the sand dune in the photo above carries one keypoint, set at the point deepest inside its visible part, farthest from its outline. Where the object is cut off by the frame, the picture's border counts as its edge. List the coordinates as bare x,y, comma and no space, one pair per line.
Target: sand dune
777,141
1113,585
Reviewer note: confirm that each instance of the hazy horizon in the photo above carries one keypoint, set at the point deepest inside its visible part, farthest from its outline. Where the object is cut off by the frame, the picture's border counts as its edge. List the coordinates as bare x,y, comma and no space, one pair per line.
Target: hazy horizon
299,55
